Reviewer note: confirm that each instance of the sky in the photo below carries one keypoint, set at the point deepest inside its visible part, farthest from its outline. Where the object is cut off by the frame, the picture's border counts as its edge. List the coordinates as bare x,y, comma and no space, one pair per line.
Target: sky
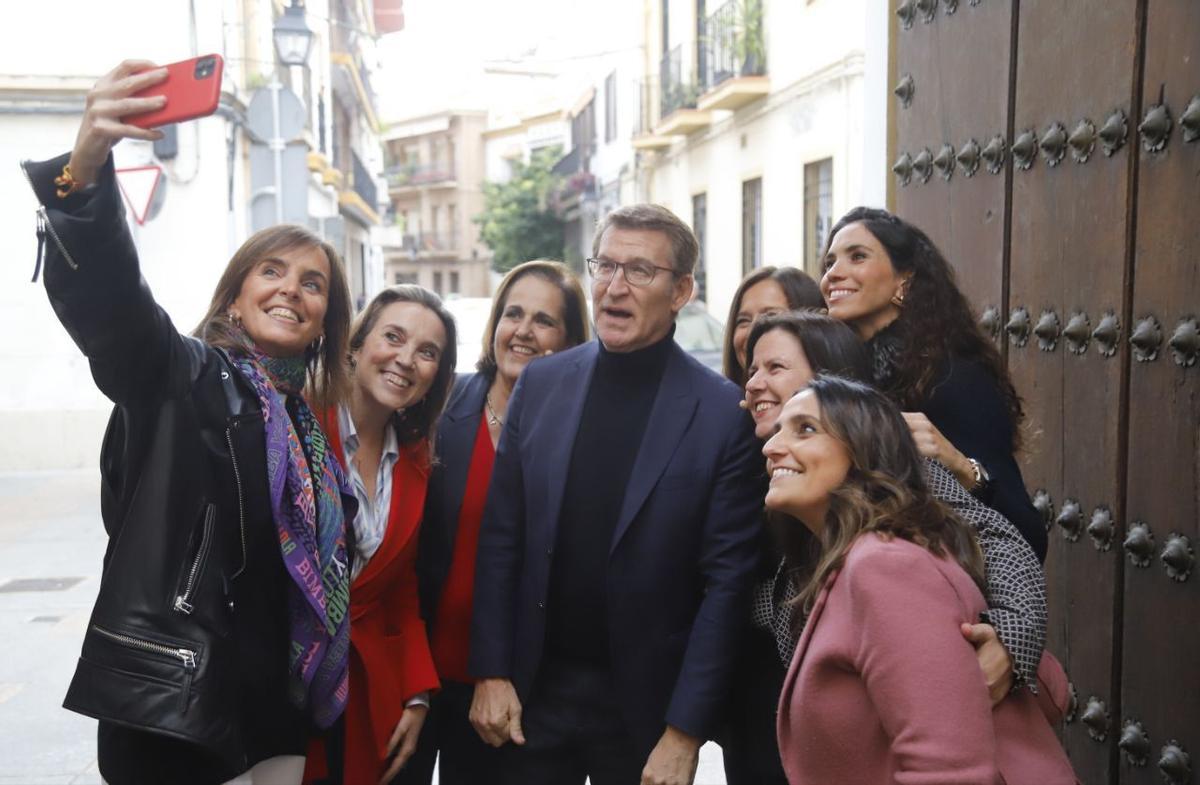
438,60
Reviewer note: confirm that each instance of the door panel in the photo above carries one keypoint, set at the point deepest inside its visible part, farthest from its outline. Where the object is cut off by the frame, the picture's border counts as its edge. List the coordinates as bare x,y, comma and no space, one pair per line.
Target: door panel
1069,253
1161,681
958,64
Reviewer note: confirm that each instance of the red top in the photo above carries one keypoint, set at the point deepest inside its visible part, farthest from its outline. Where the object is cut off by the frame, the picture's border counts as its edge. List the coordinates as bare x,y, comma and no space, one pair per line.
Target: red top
451,637
390,660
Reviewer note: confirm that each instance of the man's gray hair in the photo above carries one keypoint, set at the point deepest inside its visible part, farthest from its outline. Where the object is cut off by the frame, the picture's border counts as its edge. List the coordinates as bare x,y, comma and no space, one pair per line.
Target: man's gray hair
684,246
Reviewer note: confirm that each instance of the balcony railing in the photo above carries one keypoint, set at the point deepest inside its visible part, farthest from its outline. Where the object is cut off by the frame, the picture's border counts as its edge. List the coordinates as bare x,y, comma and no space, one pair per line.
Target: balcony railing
364,183
733,42
426,242
410,174
649,108
678,92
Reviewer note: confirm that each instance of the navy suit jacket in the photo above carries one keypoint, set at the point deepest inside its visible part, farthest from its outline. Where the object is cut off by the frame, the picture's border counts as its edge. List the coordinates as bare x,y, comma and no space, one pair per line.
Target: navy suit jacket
681,558
453,445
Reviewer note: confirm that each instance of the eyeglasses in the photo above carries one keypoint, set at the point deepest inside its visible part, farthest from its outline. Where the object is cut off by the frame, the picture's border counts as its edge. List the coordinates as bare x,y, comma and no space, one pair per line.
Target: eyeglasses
636,273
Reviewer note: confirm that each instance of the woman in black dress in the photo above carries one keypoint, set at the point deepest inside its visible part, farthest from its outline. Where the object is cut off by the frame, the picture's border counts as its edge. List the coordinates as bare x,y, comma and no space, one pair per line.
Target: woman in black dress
889,282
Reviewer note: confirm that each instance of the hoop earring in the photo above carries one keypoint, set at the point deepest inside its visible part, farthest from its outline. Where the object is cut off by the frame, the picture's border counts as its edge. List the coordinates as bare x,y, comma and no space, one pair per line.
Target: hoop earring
234,319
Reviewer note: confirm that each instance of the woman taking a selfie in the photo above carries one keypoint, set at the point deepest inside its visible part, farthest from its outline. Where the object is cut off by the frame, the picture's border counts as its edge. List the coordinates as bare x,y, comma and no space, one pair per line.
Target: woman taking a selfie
888,281
882,687
538,308
219,636
402,356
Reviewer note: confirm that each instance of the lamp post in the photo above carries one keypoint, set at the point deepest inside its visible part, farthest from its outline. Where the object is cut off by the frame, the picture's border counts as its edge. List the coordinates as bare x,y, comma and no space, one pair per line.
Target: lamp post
293,39
293,43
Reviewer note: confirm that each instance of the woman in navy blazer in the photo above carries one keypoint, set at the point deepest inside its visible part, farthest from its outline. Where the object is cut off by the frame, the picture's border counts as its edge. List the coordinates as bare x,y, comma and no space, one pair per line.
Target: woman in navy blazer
538,308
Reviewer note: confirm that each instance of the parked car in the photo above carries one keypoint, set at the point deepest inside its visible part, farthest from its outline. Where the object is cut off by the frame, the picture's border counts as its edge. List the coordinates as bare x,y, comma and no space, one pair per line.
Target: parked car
470,317
700,334
697,331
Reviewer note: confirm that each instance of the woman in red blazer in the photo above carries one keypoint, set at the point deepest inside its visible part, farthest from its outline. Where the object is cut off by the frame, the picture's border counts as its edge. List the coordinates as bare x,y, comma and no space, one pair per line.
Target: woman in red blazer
883,688
402,356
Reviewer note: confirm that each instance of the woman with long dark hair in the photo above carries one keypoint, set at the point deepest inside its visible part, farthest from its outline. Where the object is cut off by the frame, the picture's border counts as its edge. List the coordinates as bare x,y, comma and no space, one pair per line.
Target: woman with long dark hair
887,280
882,687
219,637
402,356
538,308
764,291
785,351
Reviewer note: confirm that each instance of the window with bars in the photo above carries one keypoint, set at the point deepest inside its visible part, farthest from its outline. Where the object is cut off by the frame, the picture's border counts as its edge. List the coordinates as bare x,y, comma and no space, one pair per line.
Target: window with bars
818,212
751,224
610,107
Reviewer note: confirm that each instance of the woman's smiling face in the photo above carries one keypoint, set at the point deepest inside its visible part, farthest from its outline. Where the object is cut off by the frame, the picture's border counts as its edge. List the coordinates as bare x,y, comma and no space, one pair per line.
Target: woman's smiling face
531,324
283,300
805,462
777,371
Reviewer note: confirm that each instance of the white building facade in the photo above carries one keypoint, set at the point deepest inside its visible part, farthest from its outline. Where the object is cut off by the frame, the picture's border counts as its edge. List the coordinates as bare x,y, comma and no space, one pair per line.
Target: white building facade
50,411
752,127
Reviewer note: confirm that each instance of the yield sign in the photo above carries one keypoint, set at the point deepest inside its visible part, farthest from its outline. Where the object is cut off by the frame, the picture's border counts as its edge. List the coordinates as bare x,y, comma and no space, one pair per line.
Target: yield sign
138,184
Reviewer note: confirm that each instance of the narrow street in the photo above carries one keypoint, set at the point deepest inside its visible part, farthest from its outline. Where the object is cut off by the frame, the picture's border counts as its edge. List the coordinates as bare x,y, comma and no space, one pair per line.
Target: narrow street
51,544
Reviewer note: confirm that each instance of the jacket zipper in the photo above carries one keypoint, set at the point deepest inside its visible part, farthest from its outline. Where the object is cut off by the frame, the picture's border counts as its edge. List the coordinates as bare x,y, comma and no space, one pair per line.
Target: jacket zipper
186,657
183,602
45,225
237,476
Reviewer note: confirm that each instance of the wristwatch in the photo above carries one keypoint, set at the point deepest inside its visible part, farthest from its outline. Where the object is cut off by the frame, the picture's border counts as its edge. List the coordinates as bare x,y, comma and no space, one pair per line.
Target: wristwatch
982,478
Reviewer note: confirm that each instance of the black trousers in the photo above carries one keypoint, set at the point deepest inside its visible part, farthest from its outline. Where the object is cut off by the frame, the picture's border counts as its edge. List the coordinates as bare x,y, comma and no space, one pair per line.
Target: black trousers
748,741
448,738
135,757
574,730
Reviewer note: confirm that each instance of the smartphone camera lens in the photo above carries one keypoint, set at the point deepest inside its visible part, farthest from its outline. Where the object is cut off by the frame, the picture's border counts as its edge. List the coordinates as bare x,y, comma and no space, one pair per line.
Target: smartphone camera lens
205,67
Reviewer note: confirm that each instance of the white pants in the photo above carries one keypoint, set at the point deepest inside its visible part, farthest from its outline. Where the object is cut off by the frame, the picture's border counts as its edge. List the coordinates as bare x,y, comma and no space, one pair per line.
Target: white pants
280,770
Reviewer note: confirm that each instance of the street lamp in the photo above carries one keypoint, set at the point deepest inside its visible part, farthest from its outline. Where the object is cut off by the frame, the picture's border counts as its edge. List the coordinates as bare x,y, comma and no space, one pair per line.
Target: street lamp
293,39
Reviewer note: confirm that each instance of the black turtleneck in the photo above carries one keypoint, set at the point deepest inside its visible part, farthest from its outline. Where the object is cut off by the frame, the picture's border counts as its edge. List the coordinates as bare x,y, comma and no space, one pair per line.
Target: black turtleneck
611,427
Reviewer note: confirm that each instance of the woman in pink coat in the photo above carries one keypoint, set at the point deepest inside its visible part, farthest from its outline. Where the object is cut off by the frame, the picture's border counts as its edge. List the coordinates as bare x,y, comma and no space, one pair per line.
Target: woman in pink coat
883,688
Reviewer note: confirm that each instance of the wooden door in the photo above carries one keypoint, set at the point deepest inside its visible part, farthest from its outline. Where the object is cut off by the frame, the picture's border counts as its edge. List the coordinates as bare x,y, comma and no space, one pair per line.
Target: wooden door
1069,249
1160,706
1094,261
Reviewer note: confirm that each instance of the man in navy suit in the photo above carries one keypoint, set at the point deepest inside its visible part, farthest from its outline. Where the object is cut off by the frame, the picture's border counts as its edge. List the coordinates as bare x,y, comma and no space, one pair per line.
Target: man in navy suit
618,542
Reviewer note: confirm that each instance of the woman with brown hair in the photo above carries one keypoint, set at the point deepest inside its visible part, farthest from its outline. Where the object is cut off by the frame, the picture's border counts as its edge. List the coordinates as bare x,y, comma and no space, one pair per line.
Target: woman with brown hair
882,686
785,351
219,636
889,282
402,356
764,291
538,308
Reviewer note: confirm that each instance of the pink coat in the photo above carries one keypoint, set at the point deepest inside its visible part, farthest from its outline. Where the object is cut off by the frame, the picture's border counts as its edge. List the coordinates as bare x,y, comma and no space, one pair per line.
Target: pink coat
883,687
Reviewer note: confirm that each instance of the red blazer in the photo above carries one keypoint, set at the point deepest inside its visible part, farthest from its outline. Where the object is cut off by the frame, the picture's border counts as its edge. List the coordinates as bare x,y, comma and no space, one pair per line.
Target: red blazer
390,660
883,688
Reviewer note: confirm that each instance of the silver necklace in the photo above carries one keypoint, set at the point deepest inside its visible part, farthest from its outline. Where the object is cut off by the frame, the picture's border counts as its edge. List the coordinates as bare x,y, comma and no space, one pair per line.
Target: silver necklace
493,418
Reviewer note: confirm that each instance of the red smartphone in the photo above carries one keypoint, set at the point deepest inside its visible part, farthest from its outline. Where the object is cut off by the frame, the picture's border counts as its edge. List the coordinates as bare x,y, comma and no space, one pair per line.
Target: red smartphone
192,88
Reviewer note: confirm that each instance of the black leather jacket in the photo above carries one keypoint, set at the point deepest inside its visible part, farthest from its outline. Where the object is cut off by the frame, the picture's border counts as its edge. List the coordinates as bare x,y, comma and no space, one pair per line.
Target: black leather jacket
188,638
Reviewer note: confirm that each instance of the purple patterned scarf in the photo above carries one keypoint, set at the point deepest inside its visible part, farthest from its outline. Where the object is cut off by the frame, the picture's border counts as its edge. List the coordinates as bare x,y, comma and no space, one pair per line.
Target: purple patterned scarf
311,526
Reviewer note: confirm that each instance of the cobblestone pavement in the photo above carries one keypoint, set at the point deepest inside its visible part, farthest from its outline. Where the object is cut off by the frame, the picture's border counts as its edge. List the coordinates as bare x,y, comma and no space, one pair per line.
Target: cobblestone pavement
51,536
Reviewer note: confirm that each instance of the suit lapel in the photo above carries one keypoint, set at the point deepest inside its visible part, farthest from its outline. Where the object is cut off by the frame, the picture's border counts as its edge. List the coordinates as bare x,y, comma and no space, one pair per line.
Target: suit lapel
564,404
456,434
672,411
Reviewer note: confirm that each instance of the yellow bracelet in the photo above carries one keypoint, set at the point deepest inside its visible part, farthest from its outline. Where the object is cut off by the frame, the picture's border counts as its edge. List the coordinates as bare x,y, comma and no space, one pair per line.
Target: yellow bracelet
66,182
